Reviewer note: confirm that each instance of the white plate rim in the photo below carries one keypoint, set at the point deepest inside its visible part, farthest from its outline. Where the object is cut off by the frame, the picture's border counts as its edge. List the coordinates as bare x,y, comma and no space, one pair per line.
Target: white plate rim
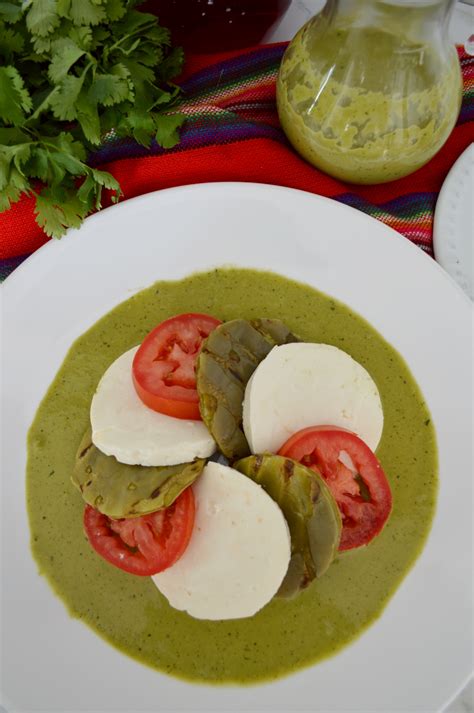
135,201
447,234
43,254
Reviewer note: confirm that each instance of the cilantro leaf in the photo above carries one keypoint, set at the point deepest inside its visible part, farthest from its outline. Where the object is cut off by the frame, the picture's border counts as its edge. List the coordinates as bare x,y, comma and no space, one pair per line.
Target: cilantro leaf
162,97
66,143
5,162
65,53
12,180
135,22
59,208
69,163
42,18
86,12
102,179
49,216
11,194
63,101
81,36
12,135
115,9
105,179
167,127
140,124
159,35
10,12
86,192
11,42
38,164
14,97
171,66
89,120
20,156
142,79
74,72
113,88
41,45
63,8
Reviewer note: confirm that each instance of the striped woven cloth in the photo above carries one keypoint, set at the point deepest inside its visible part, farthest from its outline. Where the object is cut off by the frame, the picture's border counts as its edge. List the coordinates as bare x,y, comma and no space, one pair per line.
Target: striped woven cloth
232,133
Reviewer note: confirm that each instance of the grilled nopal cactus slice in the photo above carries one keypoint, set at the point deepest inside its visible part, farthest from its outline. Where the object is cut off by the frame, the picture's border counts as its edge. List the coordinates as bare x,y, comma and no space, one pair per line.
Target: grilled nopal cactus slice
310,511
119,490
227,360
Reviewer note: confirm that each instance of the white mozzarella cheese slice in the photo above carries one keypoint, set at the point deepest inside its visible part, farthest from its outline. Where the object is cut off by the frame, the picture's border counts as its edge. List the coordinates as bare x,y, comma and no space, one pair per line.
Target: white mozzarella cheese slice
238,554
122,426
300,385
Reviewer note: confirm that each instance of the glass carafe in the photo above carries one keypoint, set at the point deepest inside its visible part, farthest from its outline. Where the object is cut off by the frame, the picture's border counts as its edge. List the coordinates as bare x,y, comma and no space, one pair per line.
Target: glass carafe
369,90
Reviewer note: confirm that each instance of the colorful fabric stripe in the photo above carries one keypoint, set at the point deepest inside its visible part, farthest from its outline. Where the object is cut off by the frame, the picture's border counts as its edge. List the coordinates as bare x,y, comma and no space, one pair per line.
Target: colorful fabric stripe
234,100
9,264
411,215
231,103
467,106
199,130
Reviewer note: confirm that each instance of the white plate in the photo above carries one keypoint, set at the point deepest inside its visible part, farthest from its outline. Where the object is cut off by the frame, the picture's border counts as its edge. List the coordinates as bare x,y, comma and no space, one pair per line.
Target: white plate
418,654
453,230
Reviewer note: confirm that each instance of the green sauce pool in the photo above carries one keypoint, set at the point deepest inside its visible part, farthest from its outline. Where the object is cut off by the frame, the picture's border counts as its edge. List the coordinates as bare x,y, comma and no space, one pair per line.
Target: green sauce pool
128,611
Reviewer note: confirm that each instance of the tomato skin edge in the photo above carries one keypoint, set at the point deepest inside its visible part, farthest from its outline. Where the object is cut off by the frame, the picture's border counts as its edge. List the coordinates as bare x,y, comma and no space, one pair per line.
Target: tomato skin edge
299,446
297,437
176,409
174,400
189,528
104,541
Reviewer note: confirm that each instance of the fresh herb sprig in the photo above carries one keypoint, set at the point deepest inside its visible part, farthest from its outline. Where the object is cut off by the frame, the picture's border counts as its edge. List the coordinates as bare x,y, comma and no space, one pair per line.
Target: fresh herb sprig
71,73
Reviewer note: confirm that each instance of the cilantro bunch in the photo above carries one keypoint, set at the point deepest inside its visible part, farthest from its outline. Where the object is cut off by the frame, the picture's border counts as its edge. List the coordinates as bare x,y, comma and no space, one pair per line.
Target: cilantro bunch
73,72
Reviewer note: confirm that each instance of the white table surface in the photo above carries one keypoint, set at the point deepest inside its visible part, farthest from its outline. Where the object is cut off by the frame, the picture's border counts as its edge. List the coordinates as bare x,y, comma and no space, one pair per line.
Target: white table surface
462,25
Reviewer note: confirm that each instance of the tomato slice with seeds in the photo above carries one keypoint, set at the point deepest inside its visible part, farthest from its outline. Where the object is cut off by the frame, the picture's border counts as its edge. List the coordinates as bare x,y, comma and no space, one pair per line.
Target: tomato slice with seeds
353,474
165,364
143,545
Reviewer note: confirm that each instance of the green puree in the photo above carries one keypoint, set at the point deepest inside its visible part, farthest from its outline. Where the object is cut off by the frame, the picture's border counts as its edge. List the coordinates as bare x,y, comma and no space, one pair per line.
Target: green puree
128,611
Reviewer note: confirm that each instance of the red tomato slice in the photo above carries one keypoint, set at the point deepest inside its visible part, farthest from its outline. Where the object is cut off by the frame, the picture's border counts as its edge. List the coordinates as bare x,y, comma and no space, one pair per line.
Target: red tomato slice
164,365
363,495
143,545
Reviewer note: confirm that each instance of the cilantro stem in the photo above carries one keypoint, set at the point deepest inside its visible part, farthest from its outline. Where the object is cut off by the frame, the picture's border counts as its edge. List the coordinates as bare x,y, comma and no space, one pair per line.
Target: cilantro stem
140,30
40,108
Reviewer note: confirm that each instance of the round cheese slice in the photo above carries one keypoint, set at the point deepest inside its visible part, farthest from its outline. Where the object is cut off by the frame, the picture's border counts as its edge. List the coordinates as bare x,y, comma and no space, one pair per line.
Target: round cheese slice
122,426
238,554
301,385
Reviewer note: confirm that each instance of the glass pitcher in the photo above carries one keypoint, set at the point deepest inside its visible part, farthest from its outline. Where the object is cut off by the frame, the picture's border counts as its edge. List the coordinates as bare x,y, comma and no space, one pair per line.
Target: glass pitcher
369,90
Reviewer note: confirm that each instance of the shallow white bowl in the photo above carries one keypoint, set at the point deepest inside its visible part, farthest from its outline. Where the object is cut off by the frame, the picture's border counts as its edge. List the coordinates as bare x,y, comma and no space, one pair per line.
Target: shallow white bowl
418,654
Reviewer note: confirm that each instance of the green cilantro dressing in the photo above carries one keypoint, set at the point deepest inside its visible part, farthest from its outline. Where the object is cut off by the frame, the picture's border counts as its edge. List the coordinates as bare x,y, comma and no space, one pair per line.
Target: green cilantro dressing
129,612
